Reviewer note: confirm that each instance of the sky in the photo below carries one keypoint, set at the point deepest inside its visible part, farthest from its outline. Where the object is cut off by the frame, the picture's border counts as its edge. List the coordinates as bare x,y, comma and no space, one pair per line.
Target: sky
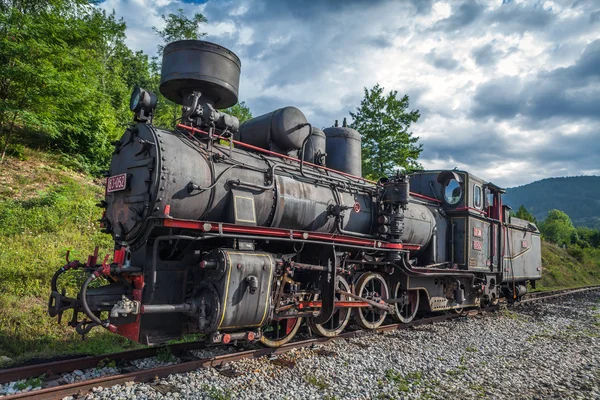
507,90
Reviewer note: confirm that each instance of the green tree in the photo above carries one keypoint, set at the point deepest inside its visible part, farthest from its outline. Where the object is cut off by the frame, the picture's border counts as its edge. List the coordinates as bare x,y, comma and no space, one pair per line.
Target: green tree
557,227
383,121
523,213
56,82
241,111
177,27
588,237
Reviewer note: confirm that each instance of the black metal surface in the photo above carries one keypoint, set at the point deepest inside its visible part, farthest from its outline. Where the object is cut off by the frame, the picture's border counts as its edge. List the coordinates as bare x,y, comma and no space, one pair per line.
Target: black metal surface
344,150
281,130
195,65
328,286
315,147
243,283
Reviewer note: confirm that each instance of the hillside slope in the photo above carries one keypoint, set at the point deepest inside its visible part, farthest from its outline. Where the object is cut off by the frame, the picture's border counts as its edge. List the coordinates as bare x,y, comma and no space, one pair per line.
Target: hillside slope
578,196
45,210
561,269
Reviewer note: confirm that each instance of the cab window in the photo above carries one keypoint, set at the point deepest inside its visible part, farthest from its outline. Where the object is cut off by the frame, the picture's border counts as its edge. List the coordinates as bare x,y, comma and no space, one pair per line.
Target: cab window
453,192
477,197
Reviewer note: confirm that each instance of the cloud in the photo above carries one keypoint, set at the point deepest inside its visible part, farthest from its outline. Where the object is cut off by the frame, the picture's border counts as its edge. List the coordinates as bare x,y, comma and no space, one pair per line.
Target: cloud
498,98
521,17
443,61
486,54
571,92
463,15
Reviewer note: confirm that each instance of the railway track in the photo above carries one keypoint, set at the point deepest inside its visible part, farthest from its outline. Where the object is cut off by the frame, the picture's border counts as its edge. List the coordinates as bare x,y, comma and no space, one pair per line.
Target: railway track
148,375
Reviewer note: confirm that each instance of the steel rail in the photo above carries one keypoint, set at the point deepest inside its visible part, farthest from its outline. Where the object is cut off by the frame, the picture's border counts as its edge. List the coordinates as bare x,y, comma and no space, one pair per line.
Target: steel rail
148,375
71,364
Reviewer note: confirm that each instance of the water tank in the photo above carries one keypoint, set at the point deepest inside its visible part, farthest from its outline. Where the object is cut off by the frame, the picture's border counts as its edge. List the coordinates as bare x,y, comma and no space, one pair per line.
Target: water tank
196,65
282,130
343,149
314,150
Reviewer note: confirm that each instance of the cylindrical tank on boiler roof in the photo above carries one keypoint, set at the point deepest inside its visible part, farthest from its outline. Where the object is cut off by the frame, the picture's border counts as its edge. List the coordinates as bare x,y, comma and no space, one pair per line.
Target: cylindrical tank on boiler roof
197,66
315,147
344,149
282,130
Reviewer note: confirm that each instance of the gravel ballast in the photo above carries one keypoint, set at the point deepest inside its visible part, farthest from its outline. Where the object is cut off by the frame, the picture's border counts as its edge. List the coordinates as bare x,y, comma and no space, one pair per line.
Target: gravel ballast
538,350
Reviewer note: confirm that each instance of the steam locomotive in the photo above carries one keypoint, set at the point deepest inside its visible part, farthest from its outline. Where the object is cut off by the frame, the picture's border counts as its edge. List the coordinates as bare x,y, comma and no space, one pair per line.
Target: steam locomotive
249,231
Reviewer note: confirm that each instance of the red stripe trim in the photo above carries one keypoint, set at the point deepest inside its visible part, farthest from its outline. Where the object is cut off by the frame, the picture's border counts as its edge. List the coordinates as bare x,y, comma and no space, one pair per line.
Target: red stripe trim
425,197
278,232
337,304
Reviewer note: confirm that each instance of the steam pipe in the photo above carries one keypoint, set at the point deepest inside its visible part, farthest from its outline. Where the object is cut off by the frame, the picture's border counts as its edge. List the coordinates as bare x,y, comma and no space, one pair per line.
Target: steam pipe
166,308
106,324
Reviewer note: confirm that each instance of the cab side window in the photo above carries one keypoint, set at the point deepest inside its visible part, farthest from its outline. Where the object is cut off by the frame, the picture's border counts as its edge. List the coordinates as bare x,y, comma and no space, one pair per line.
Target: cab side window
453,192
477,197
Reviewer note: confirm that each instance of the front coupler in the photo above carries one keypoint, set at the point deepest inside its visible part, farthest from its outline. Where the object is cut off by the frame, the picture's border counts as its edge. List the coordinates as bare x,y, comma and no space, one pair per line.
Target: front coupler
92,302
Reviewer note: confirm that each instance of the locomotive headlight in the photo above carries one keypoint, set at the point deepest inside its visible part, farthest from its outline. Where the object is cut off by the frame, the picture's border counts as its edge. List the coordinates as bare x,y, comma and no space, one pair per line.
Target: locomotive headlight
141,98
142,103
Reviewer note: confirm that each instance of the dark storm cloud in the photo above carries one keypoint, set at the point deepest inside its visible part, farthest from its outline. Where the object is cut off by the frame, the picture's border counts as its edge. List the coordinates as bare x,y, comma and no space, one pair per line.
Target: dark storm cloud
442,61
569,93
476,146
486,55
422,6
479,149
499,98
518,18
380,41
586,68
462,15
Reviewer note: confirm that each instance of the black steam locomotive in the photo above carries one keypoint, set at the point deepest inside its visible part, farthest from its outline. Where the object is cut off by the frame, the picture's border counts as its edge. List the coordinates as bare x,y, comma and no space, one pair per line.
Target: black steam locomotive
245,232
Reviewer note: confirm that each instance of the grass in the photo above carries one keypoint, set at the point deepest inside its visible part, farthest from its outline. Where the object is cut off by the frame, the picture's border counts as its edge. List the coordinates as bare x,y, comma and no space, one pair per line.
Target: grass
164,354
31,382
560,269
217,393
515,316
404,382
45,210
319,383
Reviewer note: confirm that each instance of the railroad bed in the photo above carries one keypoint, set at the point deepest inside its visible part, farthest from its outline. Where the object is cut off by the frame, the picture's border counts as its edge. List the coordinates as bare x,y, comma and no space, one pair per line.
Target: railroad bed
539,349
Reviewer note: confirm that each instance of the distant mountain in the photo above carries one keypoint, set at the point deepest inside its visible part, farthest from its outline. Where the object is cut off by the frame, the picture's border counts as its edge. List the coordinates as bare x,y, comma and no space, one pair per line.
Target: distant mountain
578,196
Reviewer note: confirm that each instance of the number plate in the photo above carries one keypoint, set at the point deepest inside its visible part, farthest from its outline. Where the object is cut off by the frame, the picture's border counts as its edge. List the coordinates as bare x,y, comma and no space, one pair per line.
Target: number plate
477,245
116,183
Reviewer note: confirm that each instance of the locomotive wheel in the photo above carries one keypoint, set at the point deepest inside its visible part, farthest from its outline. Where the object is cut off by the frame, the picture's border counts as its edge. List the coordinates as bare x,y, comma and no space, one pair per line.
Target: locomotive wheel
340,318
371,286
278,333
405,312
